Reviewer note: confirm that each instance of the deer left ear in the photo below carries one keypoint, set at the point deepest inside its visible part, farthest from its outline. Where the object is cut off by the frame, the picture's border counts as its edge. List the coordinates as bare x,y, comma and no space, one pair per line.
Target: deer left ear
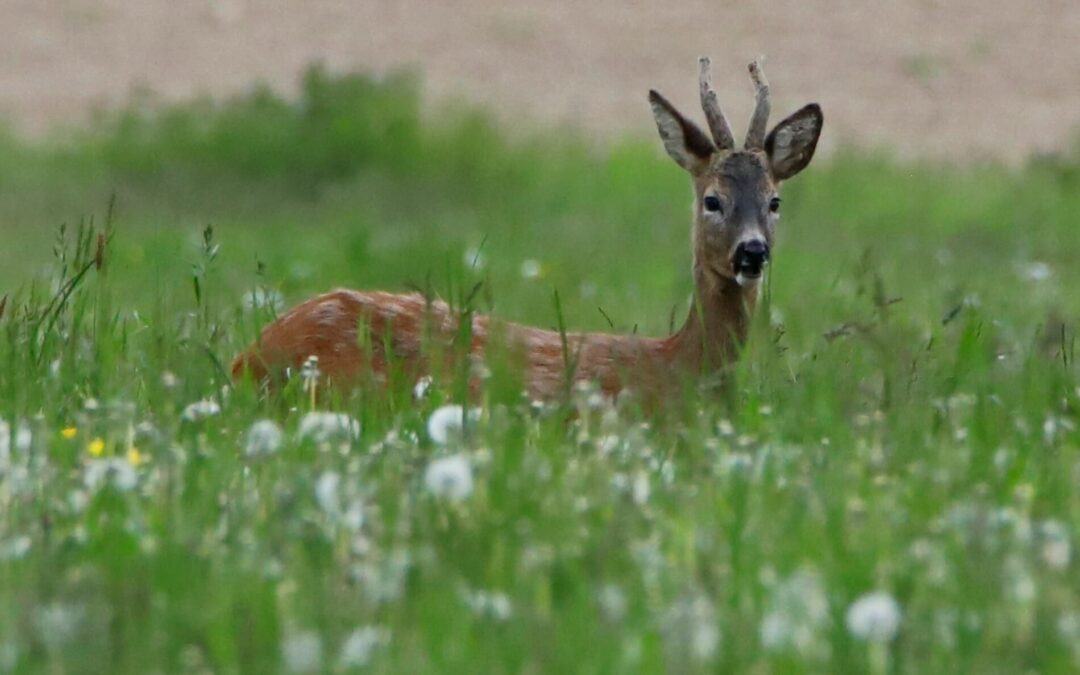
790,145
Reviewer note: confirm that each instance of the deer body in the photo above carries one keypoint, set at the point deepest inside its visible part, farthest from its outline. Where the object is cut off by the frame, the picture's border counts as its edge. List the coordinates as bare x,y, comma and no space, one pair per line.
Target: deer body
357,335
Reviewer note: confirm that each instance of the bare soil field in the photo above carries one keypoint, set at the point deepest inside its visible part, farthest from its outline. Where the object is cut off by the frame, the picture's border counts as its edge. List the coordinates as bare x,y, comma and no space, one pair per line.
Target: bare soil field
957,80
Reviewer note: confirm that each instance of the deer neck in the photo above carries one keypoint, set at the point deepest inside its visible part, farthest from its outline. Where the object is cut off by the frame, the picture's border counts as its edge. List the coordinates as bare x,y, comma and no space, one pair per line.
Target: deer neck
717,324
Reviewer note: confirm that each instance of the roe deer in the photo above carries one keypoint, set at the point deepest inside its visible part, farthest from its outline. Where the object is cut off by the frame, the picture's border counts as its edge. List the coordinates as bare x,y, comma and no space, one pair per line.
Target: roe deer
736,206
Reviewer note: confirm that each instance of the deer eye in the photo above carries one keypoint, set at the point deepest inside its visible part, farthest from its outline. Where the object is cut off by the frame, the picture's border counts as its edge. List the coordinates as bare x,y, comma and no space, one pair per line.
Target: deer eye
774,204
712,203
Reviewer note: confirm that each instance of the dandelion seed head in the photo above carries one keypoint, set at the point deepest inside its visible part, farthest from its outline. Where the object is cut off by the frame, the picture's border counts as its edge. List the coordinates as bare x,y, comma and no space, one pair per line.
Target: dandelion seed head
874,617
200,410
301,652
324,427
450,477
360,646
263,438
447,423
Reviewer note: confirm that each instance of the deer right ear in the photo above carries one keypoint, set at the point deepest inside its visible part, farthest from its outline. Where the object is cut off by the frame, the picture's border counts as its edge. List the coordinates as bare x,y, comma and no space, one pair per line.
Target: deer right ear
684,141
791,144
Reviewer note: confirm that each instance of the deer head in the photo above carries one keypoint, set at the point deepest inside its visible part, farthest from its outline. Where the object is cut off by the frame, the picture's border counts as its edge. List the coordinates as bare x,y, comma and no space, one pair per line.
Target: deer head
736,191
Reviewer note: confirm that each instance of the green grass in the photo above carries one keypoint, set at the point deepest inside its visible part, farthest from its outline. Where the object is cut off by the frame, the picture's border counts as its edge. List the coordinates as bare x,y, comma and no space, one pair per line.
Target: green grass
906,422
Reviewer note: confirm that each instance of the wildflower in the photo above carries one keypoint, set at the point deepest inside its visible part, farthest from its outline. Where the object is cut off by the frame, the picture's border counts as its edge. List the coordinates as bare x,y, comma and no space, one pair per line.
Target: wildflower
422,386
612,602
200,410
690,628
263,438
302,652
134,457
69,433
1056,550
326,492
360,645
447,423
268,298
474,258
169,379
450,477
323,427
797,614
58,624
874,617
531,269
491,604
96,447
111,471
309,372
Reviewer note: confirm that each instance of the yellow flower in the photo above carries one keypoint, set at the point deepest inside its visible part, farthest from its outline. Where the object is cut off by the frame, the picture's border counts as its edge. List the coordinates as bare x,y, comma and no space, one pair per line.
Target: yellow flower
96,447
134,457
69,432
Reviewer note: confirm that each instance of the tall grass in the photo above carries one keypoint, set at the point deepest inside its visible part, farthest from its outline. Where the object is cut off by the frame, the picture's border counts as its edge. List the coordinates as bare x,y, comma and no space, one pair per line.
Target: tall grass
904,420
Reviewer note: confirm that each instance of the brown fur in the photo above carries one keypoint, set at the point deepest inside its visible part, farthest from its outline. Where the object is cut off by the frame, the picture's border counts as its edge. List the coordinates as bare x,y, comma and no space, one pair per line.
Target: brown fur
358,335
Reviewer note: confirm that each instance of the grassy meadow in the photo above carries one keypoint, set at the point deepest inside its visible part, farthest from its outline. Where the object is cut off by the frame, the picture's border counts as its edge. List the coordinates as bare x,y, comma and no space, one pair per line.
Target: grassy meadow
890,484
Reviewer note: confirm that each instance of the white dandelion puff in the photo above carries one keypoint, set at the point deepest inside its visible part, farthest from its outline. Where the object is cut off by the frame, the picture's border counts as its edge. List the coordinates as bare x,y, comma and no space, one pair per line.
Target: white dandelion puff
200,410
326,492
264,298
690,628
323,427
531,269
448,422
423,385
301,652
874,617
263,438
113,471
359,647
450,477
490,604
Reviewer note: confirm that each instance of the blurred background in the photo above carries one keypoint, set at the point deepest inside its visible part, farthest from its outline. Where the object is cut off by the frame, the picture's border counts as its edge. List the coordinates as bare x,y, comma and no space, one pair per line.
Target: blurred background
950,80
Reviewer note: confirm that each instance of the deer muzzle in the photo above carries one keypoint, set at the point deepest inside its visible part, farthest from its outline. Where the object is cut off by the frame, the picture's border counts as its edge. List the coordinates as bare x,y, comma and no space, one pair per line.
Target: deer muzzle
750,258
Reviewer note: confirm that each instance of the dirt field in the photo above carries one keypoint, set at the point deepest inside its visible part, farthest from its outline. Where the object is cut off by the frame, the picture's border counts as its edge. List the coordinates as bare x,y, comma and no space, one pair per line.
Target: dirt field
952,80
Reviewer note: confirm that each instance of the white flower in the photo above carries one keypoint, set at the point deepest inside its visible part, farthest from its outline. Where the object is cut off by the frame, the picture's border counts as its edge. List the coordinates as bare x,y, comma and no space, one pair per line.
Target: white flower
797,614
15,548
114,471
23,437
326,492
263,438
58,624
422,386
323,427
612,602
359,646
450,477
302,652
264,297
639,488
531,269
874,617
690,628
200,410
493,604
1056,549
309,372
474,258
447,422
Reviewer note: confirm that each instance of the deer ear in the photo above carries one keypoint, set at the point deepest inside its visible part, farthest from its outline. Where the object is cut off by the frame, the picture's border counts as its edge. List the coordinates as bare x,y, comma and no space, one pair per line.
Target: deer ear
684,141
790,145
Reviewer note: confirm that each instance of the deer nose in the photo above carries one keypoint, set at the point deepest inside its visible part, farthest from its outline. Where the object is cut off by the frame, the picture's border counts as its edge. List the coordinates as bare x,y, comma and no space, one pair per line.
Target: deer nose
751,256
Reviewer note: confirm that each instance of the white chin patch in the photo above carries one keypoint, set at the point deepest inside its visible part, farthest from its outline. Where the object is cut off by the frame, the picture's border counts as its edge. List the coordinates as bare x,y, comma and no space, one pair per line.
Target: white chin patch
744,280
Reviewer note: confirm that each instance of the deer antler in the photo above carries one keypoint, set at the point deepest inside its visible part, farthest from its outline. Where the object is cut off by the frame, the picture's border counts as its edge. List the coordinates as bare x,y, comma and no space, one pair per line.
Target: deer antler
718,124
755,134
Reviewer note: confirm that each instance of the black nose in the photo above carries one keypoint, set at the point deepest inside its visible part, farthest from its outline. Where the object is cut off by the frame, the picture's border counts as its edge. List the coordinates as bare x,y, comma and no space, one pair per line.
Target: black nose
751,256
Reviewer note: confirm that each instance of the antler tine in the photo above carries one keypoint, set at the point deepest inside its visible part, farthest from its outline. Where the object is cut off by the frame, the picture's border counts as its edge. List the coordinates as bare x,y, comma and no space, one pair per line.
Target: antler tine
718,124
755,134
